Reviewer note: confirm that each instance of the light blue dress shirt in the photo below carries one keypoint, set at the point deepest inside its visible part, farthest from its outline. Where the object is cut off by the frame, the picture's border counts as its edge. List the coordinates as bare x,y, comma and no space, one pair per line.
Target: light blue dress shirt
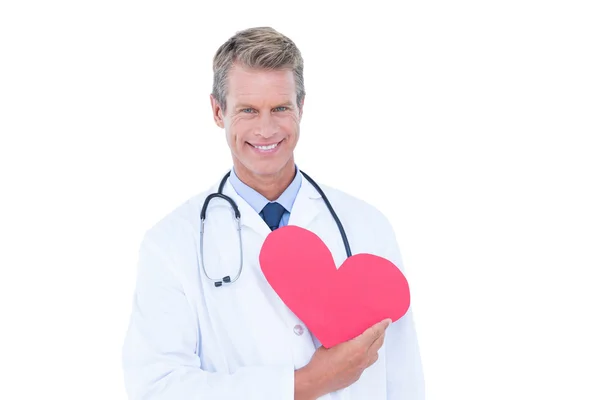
257,201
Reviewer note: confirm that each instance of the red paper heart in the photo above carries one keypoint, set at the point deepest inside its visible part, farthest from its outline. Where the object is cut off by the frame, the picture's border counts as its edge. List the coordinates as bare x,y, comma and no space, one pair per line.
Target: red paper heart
335,304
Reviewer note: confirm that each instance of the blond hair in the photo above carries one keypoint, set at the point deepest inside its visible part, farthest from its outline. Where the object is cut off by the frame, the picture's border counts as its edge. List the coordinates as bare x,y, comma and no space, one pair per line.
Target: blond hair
257,48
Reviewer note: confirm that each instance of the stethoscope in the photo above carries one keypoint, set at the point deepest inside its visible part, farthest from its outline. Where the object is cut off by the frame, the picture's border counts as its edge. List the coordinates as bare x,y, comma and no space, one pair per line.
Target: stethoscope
236,215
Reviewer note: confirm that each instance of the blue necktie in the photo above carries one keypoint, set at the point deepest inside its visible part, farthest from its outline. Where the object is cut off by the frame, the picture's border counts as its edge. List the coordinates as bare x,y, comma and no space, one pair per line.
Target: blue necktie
272,214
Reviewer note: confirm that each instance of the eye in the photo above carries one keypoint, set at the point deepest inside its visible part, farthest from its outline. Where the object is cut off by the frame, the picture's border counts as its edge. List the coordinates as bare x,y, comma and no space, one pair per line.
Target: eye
247,110
281,108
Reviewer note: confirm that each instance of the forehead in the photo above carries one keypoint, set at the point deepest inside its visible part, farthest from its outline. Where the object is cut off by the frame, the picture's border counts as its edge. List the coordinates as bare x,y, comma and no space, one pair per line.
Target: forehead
259,85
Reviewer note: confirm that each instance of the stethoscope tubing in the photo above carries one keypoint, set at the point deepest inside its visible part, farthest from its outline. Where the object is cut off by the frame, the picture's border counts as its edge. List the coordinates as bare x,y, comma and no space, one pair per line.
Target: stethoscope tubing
237,218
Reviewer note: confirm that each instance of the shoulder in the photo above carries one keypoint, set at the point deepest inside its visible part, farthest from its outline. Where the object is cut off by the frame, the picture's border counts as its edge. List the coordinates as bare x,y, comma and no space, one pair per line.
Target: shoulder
369,229
180,222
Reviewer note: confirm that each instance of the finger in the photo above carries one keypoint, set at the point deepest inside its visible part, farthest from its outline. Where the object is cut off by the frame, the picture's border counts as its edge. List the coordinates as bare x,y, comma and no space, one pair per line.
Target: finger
374,332
379,328
372,360
376,345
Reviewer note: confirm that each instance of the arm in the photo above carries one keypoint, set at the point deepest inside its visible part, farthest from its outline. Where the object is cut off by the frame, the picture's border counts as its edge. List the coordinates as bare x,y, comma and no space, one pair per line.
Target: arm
306,385
403,361
159,353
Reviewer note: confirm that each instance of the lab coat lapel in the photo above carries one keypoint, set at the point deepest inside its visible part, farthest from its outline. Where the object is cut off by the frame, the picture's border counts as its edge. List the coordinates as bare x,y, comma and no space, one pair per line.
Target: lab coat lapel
305,208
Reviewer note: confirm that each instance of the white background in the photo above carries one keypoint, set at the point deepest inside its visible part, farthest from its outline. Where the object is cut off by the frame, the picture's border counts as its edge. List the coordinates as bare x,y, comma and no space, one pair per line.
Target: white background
473,125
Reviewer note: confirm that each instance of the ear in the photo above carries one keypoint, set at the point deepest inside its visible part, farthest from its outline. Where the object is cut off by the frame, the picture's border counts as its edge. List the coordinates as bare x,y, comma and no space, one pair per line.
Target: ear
217,112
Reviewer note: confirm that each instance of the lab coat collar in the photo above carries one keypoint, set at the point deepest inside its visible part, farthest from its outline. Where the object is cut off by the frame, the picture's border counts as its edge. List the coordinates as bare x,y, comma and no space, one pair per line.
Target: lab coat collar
304,210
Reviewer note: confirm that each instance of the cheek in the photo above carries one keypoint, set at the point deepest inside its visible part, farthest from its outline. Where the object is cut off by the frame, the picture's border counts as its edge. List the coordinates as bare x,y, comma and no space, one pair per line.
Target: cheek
289,124
238,130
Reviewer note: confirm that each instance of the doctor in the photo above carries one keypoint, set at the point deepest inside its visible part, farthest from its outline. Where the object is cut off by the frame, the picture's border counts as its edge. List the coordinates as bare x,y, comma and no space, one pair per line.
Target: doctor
189,339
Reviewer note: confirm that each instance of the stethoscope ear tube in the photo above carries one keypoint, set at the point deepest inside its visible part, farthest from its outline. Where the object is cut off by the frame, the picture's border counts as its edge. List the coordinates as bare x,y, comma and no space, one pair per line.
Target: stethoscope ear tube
237,216
333,214
221,196
225,279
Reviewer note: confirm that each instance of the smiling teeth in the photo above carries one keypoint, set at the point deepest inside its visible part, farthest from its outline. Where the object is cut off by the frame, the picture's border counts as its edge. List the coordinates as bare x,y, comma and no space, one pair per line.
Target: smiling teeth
271,147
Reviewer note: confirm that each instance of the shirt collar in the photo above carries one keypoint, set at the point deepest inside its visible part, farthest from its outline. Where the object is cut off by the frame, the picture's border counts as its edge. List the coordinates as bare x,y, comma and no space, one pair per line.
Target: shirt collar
257,201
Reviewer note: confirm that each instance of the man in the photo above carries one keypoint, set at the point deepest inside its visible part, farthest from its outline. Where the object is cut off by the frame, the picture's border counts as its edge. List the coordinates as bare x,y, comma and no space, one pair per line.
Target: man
190,339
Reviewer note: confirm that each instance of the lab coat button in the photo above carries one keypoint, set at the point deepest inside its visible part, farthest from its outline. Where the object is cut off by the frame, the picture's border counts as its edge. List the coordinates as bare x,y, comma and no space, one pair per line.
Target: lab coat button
298,330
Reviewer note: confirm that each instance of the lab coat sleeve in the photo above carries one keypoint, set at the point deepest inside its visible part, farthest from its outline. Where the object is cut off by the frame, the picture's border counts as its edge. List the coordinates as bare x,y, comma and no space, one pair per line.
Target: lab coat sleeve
405,379
159,352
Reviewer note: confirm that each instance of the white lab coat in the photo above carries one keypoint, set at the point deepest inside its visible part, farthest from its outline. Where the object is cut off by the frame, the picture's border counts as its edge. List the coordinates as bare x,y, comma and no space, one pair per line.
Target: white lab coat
188,340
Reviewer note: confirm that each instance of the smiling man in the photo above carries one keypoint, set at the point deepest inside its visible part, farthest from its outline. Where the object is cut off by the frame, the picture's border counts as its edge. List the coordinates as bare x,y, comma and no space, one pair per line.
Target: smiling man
260,111
195,336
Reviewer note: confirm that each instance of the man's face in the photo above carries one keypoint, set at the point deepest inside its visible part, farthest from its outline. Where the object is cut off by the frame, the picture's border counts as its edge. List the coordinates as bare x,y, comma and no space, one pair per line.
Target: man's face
261,121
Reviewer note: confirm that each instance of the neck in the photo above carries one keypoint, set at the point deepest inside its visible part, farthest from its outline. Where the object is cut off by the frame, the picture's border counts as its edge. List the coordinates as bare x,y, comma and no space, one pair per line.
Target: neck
270,186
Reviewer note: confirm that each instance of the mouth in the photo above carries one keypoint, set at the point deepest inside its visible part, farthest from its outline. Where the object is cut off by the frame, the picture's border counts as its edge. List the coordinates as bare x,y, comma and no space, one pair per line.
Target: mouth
265,148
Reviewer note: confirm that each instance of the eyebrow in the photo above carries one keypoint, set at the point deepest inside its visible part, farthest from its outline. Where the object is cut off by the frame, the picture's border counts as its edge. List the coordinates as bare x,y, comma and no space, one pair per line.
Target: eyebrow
245,105
286,104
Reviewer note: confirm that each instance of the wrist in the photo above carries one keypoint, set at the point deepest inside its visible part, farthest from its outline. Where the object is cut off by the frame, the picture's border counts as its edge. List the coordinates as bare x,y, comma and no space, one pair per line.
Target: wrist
306,387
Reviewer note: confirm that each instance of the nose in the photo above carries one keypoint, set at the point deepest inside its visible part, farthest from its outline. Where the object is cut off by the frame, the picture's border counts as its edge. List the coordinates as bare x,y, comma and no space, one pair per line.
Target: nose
267,126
